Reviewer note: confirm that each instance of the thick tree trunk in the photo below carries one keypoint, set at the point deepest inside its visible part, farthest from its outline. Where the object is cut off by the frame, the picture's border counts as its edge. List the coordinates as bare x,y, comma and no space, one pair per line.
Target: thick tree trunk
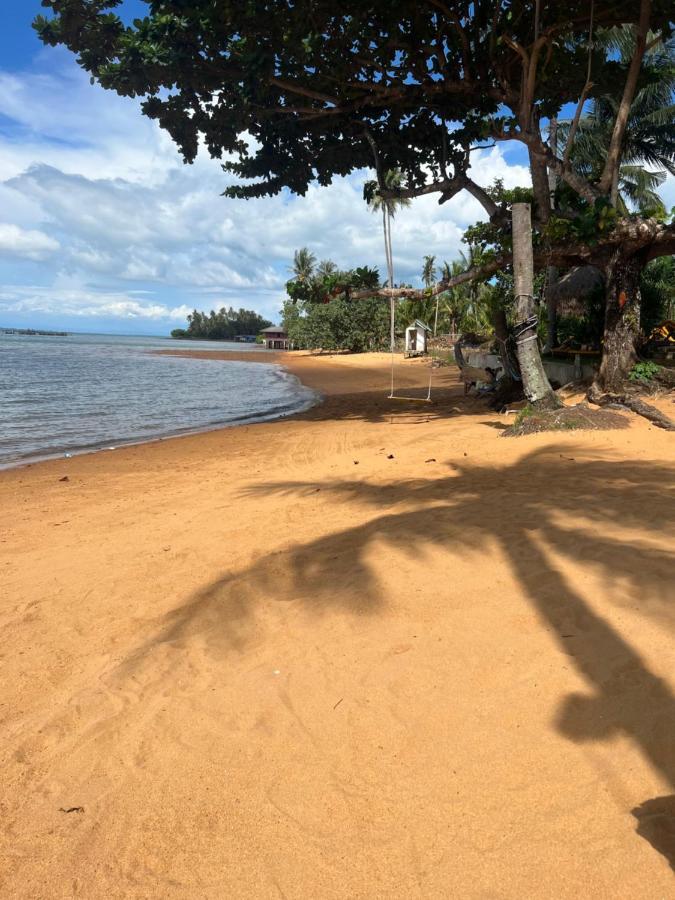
622,322
535,383
622,328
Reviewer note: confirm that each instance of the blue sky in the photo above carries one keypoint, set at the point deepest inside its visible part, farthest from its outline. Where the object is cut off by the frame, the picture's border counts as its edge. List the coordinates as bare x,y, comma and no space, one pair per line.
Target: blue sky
102,228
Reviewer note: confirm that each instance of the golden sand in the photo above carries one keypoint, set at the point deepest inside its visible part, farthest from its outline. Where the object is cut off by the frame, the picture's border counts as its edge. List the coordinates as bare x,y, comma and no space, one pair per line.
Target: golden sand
372,651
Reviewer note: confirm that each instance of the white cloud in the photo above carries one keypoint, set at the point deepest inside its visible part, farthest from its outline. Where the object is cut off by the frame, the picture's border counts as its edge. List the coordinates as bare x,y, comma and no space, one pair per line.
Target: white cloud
85,173
25,243
85,303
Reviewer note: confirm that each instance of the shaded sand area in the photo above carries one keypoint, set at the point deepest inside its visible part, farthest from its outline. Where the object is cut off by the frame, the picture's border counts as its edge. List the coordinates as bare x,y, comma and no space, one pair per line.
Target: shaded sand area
372,651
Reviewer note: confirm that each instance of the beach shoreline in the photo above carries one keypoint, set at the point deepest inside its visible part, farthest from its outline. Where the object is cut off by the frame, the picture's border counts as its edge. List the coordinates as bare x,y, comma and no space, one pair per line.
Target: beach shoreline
308,368
113,444
370,650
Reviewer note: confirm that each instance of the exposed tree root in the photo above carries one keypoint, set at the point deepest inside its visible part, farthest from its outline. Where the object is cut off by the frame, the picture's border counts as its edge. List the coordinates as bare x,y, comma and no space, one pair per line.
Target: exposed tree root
630,401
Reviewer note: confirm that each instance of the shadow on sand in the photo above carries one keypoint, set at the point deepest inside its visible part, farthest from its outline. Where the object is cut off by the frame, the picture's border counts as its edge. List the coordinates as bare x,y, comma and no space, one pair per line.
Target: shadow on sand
521,507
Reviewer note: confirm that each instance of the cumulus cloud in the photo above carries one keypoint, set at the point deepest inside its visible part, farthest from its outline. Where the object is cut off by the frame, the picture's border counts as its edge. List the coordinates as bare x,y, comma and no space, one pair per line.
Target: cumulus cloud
87,175
25,243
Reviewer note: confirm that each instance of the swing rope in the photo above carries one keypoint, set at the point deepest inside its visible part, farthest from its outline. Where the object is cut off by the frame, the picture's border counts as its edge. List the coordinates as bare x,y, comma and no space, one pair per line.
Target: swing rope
390,267
392,347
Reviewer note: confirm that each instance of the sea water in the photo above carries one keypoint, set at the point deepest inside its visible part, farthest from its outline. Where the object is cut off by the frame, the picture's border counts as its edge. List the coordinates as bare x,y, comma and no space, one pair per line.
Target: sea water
67,395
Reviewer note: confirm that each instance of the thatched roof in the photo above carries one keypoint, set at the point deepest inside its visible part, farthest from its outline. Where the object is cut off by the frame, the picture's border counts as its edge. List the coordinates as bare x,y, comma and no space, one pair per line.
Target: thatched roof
573,288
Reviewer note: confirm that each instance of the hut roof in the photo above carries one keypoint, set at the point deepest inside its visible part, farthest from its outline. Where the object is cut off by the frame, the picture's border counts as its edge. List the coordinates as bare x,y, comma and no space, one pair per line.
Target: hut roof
273,329
419,324
574,287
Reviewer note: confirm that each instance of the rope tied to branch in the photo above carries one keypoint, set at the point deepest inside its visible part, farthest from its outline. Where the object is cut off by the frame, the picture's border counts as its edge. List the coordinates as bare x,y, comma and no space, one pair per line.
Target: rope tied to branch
525,340
521,327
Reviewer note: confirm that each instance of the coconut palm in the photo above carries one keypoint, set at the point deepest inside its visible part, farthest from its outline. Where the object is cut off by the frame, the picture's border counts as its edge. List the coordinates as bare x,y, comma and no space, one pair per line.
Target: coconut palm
454,301
648,151
325,269
429,271
304,263
388,206
647,154
429,279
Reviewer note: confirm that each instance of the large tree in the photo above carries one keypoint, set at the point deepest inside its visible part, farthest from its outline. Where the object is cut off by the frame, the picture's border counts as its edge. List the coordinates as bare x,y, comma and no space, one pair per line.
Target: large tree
296,92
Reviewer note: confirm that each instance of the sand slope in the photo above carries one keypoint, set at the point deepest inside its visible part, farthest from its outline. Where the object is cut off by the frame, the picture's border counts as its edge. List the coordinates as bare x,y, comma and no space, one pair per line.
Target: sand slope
273,662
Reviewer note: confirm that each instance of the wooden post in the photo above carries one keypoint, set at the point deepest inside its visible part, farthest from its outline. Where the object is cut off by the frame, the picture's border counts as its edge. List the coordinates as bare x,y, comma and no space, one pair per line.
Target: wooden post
535,383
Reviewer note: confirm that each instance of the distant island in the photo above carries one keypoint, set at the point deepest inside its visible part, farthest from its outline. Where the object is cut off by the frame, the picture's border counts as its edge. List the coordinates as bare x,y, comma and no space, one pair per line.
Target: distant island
224,325
33,331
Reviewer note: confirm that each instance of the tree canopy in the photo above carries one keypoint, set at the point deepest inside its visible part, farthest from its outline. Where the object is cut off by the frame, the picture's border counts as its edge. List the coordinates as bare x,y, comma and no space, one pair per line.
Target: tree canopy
292,92
316,88
289,93
221,325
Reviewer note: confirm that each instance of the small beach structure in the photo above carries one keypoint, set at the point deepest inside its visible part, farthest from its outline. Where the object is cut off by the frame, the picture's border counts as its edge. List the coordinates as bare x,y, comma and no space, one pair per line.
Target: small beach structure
416,336
275,338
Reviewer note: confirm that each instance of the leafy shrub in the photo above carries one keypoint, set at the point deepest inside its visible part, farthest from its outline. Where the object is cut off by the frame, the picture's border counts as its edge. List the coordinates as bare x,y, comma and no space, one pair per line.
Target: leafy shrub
644,371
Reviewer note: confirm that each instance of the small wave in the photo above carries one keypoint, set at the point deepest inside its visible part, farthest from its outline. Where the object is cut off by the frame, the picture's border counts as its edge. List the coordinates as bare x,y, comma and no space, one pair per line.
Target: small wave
85,400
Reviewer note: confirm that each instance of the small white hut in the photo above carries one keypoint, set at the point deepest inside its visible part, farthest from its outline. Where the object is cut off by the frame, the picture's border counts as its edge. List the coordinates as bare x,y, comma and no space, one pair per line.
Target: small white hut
416,338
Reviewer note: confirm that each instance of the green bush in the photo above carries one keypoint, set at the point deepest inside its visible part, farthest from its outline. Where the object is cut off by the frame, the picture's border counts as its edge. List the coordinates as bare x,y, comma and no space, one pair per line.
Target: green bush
644,371
341,324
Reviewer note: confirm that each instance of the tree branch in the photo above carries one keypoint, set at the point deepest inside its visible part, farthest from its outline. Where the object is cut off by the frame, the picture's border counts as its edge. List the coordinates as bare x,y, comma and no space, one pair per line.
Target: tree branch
454,18
579,184
631,236
493,210
295,88
449,188
473,274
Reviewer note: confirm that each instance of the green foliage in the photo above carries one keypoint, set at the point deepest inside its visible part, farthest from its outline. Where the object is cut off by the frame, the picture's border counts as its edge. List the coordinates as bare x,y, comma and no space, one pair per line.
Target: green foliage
222,325
657,288
429,271
326,282
286,92
341,324
525,413
588,225
304,264
393,181
321,314
492,239
644,371
648,150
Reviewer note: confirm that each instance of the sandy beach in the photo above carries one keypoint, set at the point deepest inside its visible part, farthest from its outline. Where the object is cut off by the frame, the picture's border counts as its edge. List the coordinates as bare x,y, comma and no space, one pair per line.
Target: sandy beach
375,650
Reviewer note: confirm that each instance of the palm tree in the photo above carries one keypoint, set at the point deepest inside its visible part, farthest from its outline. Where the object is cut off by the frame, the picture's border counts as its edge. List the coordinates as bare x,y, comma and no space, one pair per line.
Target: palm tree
393,180
429,271
648,151
455,299
325,269
304,262
429,279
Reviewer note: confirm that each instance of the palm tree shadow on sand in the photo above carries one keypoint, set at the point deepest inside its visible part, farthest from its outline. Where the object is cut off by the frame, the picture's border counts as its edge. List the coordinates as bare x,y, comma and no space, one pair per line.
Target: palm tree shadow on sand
521,507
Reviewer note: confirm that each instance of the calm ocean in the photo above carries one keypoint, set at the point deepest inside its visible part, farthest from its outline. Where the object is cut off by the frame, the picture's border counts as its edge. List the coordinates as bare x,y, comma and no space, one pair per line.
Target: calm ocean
86,392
